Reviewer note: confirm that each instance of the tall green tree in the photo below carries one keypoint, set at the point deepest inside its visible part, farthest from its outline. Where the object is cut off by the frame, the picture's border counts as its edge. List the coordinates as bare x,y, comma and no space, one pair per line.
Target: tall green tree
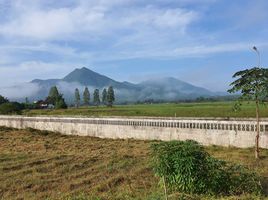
53,92
53,95
110,96
77,97
55,98
104,96
253,85
86,96
96,97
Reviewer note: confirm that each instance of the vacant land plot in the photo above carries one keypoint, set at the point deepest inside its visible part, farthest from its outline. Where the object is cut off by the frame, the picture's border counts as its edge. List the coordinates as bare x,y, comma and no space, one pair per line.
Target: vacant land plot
44,165
214,109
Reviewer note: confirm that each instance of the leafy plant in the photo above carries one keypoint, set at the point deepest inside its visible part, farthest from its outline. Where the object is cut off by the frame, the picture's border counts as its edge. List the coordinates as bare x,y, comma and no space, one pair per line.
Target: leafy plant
253,85
188,168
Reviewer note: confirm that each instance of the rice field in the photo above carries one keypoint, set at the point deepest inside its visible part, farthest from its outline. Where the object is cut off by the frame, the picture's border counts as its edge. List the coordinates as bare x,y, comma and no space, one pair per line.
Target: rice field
211,109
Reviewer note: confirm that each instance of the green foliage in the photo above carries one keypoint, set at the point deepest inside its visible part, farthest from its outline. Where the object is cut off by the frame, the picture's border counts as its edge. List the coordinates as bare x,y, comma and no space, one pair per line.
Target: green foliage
60,104
110,96
104,96
242,180
96,97
252,83
3,100
188,168
77,97
86,96
55,98
11,108
53,95
53,92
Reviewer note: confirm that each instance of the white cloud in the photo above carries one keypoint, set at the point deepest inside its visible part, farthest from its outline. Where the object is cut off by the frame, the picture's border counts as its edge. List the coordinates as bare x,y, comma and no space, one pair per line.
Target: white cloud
83,20
26,71
48,38
212,49
19,91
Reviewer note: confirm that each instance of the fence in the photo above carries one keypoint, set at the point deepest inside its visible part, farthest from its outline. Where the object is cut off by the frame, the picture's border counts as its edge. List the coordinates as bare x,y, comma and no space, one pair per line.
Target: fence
150,128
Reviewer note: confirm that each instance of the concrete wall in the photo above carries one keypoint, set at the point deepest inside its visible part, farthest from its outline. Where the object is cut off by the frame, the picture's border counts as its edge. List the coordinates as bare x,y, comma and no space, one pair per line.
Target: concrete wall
238,133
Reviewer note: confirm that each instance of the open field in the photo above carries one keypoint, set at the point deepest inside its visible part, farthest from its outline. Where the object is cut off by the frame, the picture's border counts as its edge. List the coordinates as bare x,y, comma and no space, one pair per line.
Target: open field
213,109
44,165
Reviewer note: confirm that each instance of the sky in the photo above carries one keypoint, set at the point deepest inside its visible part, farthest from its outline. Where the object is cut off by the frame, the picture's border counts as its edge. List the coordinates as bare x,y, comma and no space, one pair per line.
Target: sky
203,42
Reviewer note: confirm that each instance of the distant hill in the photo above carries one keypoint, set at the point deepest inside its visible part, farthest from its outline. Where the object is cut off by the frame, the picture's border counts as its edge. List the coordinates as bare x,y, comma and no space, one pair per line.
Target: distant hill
171,89
164,89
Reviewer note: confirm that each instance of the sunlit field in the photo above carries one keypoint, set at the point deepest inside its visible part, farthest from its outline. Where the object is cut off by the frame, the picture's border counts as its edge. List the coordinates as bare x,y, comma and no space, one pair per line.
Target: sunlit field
45,165
213,109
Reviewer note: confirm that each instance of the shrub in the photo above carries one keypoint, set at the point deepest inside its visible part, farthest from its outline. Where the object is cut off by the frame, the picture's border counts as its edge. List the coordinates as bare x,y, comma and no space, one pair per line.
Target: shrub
11,108
3,100
188,168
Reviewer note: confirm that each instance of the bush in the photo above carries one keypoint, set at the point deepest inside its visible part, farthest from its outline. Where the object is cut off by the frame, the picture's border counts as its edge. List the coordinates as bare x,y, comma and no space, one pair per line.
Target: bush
3,100
188,168
11,108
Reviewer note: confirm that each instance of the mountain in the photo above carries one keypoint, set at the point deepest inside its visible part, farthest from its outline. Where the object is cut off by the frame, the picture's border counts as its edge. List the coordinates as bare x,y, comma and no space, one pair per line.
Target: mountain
86,77
164,89
171,89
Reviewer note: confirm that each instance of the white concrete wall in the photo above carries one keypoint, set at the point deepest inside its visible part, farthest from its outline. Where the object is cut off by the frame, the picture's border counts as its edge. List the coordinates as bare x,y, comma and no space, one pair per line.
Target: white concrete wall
238,133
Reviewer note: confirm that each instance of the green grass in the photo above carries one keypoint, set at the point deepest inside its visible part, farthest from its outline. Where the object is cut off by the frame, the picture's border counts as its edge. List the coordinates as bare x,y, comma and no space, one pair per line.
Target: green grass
213,109
44,165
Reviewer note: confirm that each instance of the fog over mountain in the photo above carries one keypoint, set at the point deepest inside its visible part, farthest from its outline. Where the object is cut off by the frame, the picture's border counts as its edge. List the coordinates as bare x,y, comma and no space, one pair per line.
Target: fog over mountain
165,89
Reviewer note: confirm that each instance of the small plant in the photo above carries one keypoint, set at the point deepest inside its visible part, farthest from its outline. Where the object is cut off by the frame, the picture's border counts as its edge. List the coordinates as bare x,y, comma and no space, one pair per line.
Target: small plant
186,167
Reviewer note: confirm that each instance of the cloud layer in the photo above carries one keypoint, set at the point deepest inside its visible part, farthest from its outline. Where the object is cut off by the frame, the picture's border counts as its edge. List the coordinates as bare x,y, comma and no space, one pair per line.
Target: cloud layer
46,39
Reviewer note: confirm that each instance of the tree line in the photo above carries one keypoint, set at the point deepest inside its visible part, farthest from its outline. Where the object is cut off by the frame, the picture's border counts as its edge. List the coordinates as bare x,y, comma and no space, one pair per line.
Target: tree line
56,100
107,97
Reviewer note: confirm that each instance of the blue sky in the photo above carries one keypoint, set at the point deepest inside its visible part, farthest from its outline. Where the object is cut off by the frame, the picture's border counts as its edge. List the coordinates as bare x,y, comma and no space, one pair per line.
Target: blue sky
199,41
